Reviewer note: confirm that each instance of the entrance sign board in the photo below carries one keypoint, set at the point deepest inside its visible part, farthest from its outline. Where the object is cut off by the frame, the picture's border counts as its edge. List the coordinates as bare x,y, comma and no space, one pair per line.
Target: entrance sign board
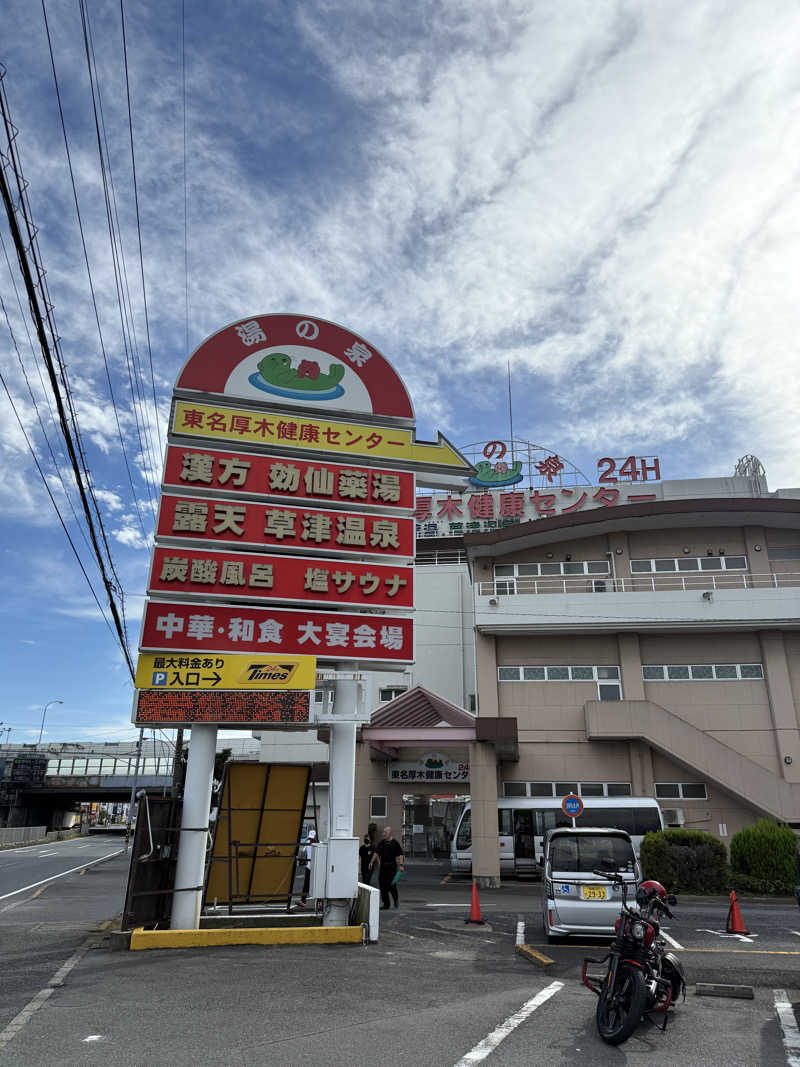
244,474
226,672
246,575
157,707
218,422
202,628
430,767
285,527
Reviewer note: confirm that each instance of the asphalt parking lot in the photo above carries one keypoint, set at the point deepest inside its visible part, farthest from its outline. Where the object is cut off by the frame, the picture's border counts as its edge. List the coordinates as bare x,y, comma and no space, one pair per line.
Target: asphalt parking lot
434,990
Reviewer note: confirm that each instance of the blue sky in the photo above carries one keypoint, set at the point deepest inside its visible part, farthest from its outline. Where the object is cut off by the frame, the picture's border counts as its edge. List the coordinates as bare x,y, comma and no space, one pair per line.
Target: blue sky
603,194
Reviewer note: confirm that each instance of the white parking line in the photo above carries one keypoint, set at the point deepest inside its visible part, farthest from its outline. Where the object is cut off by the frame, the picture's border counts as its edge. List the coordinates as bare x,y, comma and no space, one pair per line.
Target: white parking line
466,905
52,878
788,1022
671,940
501,1032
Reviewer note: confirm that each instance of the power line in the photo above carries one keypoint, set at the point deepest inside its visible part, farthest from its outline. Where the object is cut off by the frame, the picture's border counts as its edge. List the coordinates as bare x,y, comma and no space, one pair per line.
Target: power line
138,221
89,272
115,237
52,500
39,321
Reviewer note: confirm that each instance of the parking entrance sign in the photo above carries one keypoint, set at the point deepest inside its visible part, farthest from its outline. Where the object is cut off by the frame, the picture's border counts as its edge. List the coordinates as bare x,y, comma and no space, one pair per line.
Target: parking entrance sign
572,806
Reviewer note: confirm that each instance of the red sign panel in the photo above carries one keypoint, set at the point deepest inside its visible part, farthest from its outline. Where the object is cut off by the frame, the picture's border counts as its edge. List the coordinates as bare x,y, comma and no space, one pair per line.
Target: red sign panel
246,474
240,628
155,707
245,574
282,527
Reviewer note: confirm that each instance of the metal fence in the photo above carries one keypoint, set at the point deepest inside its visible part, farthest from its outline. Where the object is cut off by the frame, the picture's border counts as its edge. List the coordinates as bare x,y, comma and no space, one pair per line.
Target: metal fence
657,583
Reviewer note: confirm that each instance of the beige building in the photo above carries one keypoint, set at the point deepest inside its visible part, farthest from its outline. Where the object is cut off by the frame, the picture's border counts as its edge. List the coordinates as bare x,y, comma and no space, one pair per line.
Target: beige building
649,649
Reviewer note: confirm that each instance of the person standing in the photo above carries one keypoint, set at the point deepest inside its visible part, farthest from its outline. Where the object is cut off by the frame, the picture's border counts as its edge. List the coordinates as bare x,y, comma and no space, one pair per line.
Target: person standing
306,853
365,854
389,857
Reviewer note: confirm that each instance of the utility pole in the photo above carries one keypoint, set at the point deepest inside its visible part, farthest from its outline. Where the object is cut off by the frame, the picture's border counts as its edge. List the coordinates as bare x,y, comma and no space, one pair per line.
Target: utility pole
177,764
133,789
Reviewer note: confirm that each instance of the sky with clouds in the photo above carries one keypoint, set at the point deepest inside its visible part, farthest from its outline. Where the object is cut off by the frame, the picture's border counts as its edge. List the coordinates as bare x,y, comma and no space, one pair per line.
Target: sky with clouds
602,194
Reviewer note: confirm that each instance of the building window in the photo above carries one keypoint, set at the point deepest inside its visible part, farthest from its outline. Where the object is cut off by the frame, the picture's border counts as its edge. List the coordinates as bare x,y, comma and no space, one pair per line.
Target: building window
390,692
583,789
591,789
607,678
609,691
557,674
378,807
681,791
619,789
688,563
702,672
548,570
514,789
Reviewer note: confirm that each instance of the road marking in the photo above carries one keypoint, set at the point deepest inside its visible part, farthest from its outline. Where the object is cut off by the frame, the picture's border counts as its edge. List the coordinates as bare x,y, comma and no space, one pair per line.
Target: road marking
723,933
788,1023
671,940
63,874
464,905
501,1032
17,903
33,1005
743,951
520,933
52,852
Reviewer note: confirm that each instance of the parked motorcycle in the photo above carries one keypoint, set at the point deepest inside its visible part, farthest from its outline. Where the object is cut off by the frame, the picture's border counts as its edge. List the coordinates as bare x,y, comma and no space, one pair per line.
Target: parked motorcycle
642,978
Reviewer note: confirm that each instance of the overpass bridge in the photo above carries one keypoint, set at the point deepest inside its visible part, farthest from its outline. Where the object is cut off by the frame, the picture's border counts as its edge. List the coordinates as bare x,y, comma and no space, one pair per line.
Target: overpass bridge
46,783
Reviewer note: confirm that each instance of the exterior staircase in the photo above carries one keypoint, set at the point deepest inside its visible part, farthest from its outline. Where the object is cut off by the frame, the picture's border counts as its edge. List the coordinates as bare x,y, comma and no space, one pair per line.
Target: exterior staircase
666,732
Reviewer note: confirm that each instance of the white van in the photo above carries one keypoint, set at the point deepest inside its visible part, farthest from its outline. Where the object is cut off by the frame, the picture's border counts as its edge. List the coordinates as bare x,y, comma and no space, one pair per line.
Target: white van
575,899
522,823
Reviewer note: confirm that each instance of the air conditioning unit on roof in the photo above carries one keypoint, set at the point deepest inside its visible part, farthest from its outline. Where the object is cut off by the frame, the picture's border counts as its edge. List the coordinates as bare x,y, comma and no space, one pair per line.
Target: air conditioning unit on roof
673,817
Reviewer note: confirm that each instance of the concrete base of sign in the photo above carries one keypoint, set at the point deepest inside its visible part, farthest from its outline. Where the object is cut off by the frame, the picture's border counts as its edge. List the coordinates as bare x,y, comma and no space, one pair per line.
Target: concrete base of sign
309,935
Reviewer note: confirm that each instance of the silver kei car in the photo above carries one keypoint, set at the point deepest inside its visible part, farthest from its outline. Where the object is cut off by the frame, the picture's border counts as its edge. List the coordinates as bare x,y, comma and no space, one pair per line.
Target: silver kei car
575,899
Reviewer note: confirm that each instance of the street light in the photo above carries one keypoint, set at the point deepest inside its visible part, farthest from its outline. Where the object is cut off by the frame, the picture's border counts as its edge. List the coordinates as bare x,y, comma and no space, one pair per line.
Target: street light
47,705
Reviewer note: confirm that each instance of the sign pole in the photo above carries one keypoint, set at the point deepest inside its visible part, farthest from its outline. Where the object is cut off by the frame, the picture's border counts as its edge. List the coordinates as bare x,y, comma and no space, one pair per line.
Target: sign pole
190,870
341,789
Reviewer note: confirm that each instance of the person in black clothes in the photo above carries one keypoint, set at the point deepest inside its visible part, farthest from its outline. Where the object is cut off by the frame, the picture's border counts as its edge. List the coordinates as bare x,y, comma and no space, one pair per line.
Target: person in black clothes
365,854
389,857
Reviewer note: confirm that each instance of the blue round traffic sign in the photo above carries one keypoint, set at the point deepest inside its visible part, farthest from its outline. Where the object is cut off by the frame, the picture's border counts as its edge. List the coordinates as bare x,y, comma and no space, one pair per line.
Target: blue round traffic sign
572,805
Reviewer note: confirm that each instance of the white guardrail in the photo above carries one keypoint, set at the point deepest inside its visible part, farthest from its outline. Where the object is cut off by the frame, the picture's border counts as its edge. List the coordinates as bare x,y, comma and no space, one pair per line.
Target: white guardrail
18,835
640,583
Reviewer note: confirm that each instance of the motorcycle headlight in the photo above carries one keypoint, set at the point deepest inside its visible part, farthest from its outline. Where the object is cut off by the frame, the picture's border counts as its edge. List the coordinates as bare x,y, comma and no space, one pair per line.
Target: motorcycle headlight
637,931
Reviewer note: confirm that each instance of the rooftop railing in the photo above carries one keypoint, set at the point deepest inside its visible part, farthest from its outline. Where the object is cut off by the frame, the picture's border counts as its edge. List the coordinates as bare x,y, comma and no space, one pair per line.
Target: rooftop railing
640,583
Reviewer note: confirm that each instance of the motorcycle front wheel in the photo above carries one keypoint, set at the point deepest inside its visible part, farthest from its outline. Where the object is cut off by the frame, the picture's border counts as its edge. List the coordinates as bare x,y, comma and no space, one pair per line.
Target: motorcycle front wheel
620,1009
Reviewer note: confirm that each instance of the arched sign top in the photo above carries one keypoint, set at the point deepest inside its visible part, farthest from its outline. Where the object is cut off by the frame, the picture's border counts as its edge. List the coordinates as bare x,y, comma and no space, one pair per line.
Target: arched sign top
300,361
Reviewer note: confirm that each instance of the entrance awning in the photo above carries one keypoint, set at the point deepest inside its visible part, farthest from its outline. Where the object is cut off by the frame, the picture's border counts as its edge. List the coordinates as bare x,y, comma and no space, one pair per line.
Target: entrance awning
418,718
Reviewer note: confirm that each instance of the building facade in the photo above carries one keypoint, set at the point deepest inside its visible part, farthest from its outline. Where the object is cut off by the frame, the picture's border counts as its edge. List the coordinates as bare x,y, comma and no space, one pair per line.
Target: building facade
650,648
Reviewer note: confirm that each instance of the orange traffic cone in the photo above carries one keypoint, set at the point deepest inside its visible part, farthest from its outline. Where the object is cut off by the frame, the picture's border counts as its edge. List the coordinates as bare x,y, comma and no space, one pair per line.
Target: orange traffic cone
735,924
475,908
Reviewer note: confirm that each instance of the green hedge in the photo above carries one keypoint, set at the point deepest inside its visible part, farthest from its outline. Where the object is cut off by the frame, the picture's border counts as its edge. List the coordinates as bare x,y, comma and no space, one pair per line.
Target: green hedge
763,858
687,861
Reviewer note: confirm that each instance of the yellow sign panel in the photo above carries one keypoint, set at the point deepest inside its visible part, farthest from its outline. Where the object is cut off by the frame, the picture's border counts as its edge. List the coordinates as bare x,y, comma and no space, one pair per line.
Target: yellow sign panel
316,435
257,833
172,671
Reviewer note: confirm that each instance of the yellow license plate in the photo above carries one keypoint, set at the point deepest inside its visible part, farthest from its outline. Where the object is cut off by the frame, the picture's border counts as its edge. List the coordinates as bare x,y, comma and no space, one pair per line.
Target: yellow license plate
594,892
